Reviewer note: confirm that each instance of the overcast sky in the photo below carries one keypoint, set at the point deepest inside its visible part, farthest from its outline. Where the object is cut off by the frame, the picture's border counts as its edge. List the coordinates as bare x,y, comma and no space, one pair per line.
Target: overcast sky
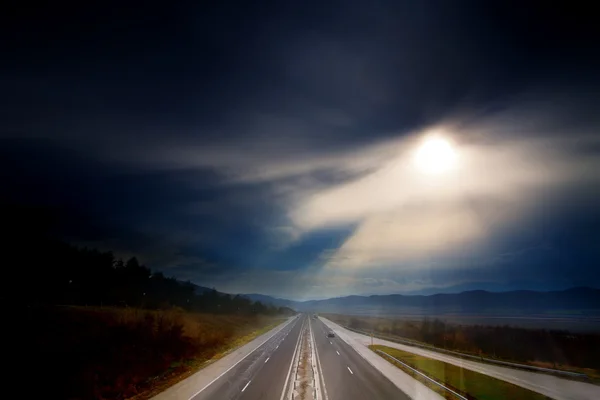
282,147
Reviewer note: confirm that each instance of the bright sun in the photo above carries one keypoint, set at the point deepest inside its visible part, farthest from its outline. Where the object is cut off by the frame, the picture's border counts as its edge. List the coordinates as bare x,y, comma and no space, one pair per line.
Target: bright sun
435,155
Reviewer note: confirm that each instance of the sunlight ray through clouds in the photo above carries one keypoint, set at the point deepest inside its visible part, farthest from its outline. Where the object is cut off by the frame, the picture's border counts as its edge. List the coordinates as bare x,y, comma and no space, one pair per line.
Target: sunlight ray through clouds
437,195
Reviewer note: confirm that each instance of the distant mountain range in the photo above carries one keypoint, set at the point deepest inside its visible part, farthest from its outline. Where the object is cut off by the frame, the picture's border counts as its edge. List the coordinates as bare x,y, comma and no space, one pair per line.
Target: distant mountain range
487,286
275,301
580,300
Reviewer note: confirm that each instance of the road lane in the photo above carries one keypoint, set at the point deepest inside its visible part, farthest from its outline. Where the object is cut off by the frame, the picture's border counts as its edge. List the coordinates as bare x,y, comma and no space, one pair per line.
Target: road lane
268,382
254,377
346,374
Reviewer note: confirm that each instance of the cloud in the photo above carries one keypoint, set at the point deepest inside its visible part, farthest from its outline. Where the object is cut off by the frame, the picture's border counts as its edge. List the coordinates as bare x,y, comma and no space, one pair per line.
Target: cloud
503,176
509,162
393,237
283,236
295,147
513,166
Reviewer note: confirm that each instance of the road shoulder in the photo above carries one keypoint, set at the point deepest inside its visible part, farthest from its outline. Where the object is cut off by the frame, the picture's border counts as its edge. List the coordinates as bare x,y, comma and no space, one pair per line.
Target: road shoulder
414,389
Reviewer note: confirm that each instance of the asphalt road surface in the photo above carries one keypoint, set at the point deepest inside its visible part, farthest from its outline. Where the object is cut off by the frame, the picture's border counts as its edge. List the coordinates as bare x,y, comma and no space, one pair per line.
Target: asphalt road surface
264,373
346,374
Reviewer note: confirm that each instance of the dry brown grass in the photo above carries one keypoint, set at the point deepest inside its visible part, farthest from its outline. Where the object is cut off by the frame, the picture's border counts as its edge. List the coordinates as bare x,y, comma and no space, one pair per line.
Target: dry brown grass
303,372
116,353
592,374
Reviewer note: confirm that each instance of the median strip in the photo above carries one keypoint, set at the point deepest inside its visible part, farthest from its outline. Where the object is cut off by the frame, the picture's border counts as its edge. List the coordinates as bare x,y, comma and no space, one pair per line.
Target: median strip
320,389
304,384
453,382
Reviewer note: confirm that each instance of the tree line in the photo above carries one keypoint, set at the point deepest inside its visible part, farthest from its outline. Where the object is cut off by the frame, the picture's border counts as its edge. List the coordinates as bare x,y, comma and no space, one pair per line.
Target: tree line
57,273
79,276
556,347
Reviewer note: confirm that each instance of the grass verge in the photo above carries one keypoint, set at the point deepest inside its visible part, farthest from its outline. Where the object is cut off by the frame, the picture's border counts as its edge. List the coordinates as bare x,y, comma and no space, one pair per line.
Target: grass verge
470,384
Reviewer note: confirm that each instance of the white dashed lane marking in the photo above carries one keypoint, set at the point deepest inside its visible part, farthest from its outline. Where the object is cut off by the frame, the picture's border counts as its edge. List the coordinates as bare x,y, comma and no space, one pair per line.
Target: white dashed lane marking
267,359
249,383
346,367
337,352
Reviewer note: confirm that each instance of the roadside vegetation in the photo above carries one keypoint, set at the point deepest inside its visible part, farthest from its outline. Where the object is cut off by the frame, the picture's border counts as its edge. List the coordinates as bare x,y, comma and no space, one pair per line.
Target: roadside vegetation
90,325
570,351
117,353
470,384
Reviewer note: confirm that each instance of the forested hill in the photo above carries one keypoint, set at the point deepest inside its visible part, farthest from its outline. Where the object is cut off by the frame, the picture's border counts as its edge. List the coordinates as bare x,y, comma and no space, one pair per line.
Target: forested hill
52,272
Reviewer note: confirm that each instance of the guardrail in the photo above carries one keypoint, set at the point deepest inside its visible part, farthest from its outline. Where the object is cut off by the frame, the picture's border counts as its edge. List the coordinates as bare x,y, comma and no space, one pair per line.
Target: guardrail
423,375
464,355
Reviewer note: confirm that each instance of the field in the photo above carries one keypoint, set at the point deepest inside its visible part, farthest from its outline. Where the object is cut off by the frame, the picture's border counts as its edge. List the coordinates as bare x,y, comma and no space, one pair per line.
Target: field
472,385
573,323
119,353
570,351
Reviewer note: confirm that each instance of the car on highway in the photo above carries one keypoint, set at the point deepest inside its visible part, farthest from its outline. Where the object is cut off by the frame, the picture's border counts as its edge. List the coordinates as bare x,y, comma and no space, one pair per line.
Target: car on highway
330,334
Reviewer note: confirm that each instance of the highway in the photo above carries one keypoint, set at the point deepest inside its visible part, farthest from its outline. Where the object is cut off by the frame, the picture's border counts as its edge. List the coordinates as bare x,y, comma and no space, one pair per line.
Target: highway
265,372
548,385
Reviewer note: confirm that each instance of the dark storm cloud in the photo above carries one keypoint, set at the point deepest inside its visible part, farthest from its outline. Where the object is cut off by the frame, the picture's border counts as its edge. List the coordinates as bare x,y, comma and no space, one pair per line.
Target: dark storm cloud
186,69
203,137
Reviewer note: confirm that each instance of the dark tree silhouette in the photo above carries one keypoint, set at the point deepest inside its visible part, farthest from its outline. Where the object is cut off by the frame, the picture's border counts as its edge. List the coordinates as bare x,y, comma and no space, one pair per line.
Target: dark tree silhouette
57,273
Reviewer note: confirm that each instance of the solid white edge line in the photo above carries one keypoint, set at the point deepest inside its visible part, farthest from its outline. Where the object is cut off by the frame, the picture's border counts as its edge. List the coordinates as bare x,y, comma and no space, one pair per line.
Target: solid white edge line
246,386
350,370
319,366
287,378
267,359
423,375
243,358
